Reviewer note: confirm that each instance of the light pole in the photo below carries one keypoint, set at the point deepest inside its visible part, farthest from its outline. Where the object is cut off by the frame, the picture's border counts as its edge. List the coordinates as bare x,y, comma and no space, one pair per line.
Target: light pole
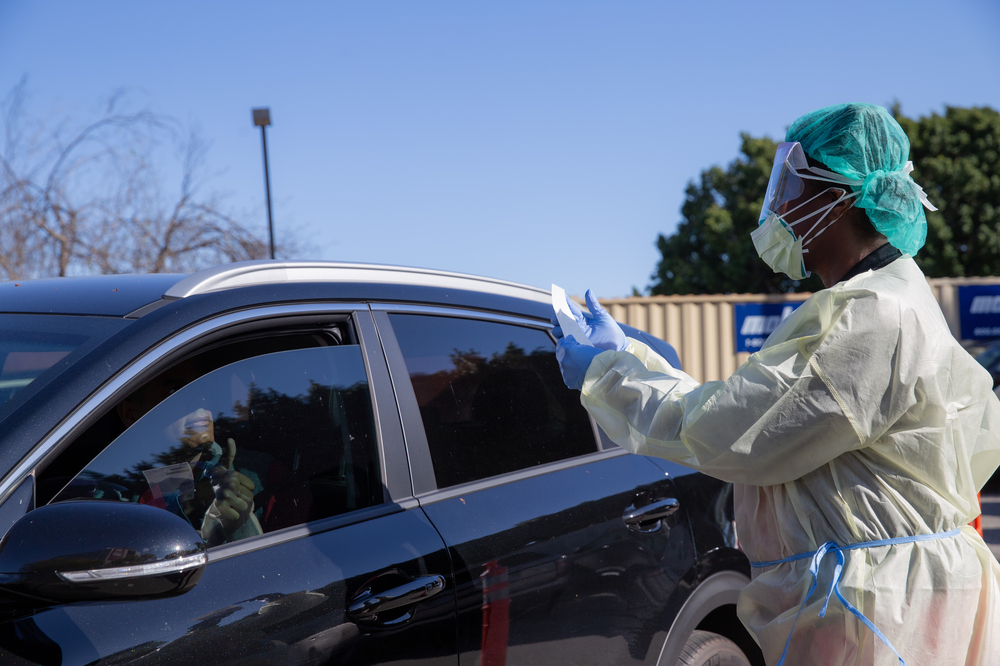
262,118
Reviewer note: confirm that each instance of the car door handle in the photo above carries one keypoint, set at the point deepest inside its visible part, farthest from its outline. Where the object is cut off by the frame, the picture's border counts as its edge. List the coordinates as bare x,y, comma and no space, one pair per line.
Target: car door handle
646,518
367,603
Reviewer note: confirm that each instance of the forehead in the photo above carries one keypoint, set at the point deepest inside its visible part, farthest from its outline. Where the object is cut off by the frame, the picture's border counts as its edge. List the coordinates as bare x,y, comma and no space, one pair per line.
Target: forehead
812,186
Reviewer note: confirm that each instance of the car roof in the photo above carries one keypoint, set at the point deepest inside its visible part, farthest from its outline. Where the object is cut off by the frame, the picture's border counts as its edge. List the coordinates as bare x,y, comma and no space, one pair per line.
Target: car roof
122,295
106,295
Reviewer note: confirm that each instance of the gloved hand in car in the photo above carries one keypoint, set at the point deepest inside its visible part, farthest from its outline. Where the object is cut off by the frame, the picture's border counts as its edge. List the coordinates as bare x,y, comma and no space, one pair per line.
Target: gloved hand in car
233,499
230,517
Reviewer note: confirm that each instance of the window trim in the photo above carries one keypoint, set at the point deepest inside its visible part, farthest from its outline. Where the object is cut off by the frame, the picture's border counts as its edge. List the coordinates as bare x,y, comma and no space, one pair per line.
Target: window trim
421,467
388,436
442,494
295,532
461,313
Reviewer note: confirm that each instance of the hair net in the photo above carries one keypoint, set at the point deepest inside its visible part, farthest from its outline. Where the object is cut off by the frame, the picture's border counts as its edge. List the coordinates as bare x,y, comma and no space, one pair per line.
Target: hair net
864,142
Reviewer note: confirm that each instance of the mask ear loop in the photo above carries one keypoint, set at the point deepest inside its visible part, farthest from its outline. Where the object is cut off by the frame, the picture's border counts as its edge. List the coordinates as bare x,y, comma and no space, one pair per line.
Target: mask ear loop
803,204
829,208
816,173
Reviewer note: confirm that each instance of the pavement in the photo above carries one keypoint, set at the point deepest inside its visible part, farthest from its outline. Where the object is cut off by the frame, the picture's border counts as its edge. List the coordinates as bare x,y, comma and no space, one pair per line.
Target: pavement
991,522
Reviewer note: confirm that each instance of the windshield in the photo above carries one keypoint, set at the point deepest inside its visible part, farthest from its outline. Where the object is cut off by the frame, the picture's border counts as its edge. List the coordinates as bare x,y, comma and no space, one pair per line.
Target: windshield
36,348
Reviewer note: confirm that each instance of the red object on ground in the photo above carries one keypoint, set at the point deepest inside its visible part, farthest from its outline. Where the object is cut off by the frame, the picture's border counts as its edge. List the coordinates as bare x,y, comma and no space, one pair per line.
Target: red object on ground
977,522
496,615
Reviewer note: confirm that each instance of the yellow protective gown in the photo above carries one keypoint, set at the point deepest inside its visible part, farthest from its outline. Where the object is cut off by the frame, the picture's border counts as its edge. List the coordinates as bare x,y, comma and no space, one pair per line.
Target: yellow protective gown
860,419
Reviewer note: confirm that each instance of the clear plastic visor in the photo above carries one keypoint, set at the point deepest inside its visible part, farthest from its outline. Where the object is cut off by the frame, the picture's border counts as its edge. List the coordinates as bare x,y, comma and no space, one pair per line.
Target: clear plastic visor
788,176
784,185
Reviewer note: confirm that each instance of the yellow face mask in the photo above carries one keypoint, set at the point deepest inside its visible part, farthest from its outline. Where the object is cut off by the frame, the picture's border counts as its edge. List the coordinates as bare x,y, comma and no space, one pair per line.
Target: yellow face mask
781,248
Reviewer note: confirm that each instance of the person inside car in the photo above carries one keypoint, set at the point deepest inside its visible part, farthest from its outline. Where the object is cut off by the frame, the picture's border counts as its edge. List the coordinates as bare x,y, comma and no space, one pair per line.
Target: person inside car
202,485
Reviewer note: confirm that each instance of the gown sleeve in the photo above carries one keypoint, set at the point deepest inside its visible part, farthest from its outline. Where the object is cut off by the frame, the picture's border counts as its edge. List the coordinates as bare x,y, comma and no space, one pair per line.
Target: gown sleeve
778,417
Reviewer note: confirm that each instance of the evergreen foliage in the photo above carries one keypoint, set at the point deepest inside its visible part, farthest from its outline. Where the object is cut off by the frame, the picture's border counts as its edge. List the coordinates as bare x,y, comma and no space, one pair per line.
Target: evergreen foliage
956,159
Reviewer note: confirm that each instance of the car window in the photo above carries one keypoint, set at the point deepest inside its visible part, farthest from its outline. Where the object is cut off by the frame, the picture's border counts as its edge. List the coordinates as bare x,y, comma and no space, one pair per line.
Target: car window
257,445
35,348
490,396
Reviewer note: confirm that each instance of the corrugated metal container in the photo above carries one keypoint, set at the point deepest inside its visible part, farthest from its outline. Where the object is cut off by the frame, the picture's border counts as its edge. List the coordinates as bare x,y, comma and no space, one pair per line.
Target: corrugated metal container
946,292
703,330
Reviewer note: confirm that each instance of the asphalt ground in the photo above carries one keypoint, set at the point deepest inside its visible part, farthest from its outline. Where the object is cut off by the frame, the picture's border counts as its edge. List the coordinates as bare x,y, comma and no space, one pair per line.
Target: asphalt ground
991,521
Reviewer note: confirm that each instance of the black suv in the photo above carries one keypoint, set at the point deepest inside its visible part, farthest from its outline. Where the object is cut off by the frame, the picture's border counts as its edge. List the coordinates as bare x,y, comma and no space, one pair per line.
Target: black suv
310,463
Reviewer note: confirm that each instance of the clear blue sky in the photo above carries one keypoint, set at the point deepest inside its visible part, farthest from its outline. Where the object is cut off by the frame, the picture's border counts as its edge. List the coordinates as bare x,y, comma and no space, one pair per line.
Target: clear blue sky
532,141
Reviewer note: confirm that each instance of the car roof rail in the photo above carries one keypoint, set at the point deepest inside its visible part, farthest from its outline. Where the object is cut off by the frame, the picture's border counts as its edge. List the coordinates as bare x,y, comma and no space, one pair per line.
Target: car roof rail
265,272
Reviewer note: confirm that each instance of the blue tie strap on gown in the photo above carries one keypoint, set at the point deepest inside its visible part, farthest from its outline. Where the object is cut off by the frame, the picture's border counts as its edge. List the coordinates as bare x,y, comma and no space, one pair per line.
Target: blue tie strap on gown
832,547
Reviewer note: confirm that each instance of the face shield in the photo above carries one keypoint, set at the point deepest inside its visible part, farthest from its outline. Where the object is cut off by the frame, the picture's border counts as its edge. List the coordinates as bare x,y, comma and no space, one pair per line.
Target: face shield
788,176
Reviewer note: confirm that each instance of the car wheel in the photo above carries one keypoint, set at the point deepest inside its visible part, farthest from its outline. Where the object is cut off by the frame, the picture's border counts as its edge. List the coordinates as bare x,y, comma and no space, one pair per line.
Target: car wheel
704,648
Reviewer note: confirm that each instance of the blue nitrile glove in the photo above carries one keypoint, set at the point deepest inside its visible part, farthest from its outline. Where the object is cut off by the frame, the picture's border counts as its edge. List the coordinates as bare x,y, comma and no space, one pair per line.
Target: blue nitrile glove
574,361
603,331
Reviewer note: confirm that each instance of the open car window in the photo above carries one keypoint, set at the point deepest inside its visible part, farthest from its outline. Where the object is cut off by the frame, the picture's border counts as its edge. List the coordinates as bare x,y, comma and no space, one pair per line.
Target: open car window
257,445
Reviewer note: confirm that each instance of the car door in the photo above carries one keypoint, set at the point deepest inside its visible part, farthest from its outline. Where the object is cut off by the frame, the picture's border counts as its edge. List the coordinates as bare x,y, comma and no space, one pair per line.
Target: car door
333,563
563,552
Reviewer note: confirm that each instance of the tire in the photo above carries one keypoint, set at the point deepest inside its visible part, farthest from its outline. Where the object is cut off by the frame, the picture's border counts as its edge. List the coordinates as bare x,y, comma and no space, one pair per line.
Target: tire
704,648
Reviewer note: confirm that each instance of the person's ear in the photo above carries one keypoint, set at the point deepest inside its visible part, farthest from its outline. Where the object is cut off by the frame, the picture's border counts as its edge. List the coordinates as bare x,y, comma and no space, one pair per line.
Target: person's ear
841,206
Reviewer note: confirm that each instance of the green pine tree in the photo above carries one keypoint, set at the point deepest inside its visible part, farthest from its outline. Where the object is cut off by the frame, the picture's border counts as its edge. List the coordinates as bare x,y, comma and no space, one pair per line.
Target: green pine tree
956,160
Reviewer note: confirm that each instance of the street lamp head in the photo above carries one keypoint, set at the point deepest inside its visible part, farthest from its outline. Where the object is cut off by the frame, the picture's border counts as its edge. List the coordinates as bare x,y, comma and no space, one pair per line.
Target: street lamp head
262,117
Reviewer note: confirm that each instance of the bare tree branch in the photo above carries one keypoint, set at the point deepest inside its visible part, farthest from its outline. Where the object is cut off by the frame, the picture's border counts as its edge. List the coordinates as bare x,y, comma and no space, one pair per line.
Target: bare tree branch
91,199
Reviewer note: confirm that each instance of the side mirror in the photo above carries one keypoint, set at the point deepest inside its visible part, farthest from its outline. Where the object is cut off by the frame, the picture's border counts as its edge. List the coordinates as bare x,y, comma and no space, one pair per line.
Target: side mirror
100,550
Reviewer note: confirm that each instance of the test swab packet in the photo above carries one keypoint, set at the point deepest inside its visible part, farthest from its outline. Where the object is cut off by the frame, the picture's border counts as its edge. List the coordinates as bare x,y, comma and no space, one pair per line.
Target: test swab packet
565,316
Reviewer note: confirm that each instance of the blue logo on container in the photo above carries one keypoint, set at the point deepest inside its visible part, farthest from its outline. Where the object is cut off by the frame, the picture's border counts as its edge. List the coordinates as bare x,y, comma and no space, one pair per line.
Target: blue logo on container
979,311
756,321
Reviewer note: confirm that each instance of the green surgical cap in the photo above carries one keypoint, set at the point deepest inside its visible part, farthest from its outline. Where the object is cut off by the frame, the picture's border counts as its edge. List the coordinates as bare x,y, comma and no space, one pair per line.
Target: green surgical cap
864,142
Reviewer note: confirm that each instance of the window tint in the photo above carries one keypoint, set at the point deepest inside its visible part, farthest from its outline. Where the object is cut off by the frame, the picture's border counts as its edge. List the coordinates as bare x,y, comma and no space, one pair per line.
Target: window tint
35,348
491,397
256,445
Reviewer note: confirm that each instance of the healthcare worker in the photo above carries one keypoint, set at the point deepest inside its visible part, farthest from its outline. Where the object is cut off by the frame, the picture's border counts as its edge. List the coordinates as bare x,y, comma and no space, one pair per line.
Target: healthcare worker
856,438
